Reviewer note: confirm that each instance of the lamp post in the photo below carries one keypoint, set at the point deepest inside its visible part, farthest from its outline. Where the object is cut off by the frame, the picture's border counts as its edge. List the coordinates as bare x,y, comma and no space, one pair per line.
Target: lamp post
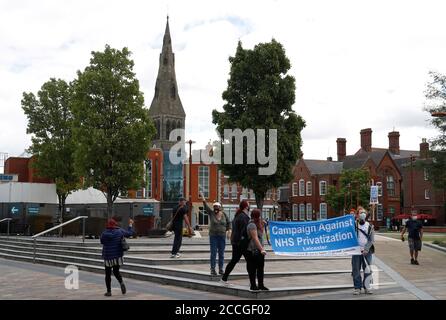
412,158
190,142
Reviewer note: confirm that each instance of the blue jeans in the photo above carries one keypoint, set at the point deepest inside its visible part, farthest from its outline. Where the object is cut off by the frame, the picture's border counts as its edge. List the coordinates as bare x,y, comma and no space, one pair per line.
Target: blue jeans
218,243
358,263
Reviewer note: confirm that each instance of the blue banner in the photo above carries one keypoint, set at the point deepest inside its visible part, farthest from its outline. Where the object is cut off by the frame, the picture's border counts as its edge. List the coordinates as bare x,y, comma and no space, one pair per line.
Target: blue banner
332,237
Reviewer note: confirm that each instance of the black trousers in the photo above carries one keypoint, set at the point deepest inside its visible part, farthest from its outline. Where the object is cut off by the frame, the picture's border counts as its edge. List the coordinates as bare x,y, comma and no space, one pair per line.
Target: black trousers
255,266
177,240
237,253
108,272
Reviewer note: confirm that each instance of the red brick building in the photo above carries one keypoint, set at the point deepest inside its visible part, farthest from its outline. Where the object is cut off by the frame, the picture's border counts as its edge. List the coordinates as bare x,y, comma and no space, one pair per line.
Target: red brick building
22,166
387,167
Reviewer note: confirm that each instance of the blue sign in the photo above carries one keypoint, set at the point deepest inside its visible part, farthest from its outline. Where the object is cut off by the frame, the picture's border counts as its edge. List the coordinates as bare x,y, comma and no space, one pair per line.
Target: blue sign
6,177
33,209
332,237
374,195
148,209
15,209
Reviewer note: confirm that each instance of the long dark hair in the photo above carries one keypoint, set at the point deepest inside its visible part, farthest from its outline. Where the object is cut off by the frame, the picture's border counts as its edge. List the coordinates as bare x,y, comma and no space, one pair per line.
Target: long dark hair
256,216
243,205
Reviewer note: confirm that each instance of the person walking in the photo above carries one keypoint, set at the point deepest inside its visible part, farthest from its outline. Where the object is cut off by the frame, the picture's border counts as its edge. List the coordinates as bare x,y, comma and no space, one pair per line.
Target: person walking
415,230
255,256
239,238
179,215
112,252
219,228
366,239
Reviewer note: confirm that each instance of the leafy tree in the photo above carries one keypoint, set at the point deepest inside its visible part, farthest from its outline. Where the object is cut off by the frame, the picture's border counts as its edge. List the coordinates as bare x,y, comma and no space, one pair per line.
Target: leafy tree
260,95
436,103
50,122
353,182
112,128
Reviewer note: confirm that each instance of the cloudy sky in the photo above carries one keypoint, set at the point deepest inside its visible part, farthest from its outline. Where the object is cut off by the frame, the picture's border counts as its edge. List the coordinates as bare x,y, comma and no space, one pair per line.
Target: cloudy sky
357,64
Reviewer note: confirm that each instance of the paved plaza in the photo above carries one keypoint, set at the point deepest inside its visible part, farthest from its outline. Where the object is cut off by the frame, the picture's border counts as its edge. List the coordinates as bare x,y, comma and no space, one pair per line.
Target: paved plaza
397,278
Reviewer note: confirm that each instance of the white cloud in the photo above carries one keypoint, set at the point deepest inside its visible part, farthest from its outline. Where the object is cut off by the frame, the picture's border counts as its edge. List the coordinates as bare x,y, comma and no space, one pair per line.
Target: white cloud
357,64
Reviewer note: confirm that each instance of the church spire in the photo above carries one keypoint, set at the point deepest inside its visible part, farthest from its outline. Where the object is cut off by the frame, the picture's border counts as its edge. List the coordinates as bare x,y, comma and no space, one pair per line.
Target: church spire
166,109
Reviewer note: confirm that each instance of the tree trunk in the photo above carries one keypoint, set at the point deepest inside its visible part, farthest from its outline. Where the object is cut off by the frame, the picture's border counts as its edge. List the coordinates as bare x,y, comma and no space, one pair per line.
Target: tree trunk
109,204
61,197
260,197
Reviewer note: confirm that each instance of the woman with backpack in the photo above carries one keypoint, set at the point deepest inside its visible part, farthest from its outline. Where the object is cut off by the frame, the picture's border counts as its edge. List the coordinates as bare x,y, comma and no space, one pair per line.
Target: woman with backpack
113,251
219,227
255,256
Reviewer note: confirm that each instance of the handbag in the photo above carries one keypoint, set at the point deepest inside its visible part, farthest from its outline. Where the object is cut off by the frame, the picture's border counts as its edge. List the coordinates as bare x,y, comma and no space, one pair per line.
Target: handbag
124,244
169,225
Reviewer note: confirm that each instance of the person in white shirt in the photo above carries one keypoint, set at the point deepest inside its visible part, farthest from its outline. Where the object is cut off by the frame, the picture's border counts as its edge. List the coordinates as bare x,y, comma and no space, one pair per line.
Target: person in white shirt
366,238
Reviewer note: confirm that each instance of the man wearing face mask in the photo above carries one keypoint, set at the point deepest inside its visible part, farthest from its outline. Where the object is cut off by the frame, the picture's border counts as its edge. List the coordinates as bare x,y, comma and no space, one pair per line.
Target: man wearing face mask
366,238
415,229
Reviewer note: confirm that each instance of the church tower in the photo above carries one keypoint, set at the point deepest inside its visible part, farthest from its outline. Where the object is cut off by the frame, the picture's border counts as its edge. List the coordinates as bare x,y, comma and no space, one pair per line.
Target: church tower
168,114
166,109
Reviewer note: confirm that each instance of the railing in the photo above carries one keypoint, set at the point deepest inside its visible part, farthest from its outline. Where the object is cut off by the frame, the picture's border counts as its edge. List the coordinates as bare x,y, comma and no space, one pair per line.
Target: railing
8,220
34,237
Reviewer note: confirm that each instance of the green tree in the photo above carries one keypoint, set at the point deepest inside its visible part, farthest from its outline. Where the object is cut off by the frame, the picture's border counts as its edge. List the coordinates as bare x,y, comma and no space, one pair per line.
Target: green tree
50,122
260,95
113,130
436,102
352,183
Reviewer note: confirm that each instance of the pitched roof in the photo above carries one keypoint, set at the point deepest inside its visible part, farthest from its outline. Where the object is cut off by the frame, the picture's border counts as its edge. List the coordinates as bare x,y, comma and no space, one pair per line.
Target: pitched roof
358,160
323,166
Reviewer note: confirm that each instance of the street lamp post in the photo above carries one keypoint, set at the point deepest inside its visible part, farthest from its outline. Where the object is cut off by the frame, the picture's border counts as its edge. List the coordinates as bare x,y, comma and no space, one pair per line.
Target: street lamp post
412,158
190,142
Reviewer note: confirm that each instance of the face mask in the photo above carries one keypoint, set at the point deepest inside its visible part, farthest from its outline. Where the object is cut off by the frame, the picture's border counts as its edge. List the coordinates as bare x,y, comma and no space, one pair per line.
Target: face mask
362,216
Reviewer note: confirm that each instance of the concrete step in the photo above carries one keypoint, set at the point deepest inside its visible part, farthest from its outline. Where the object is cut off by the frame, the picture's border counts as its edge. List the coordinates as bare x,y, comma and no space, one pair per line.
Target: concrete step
212,286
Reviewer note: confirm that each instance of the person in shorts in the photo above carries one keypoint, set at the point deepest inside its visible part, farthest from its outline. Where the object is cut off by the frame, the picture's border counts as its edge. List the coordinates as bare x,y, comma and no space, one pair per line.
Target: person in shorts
415,230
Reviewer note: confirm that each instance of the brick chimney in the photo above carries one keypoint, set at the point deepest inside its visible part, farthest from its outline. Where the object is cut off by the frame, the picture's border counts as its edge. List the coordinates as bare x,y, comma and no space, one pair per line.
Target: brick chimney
394,142
366,140
424,149
341,144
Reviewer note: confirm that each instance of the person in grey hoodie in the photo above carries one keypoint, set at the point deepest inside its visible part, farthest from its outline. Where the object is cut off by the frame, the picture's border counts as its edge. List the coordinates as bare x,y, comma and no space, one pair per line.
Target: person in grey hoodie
366,239
219,228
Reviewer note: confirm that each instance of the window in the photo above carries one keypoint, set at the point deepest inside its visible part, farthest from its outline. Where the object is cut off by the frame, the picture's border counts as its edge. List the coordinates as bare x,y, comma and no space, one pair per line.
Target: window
251,195
380,189
203,218
139,193
427,194
309,188
379,212
322,188
234,191
426,175
323,211
301,187
302,212
226,191
309,211
390,186
295,209
294,187
391,212
203,180
278,195
148,191
244,194
268,195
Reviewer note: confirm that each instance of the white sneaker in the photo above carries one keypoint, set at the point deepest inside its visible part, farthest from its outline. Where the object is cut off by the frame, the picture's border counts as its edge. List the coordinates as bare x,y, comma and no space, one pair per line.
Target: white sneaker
177,255
225,283
172,255
368,291
357,292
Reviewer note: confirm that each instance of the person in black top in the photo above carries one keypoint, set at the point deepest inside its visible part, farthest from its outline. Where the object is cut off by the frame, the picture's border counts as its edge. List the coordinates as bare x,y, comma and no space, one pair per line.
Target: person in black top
239,238
179,215
415,230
